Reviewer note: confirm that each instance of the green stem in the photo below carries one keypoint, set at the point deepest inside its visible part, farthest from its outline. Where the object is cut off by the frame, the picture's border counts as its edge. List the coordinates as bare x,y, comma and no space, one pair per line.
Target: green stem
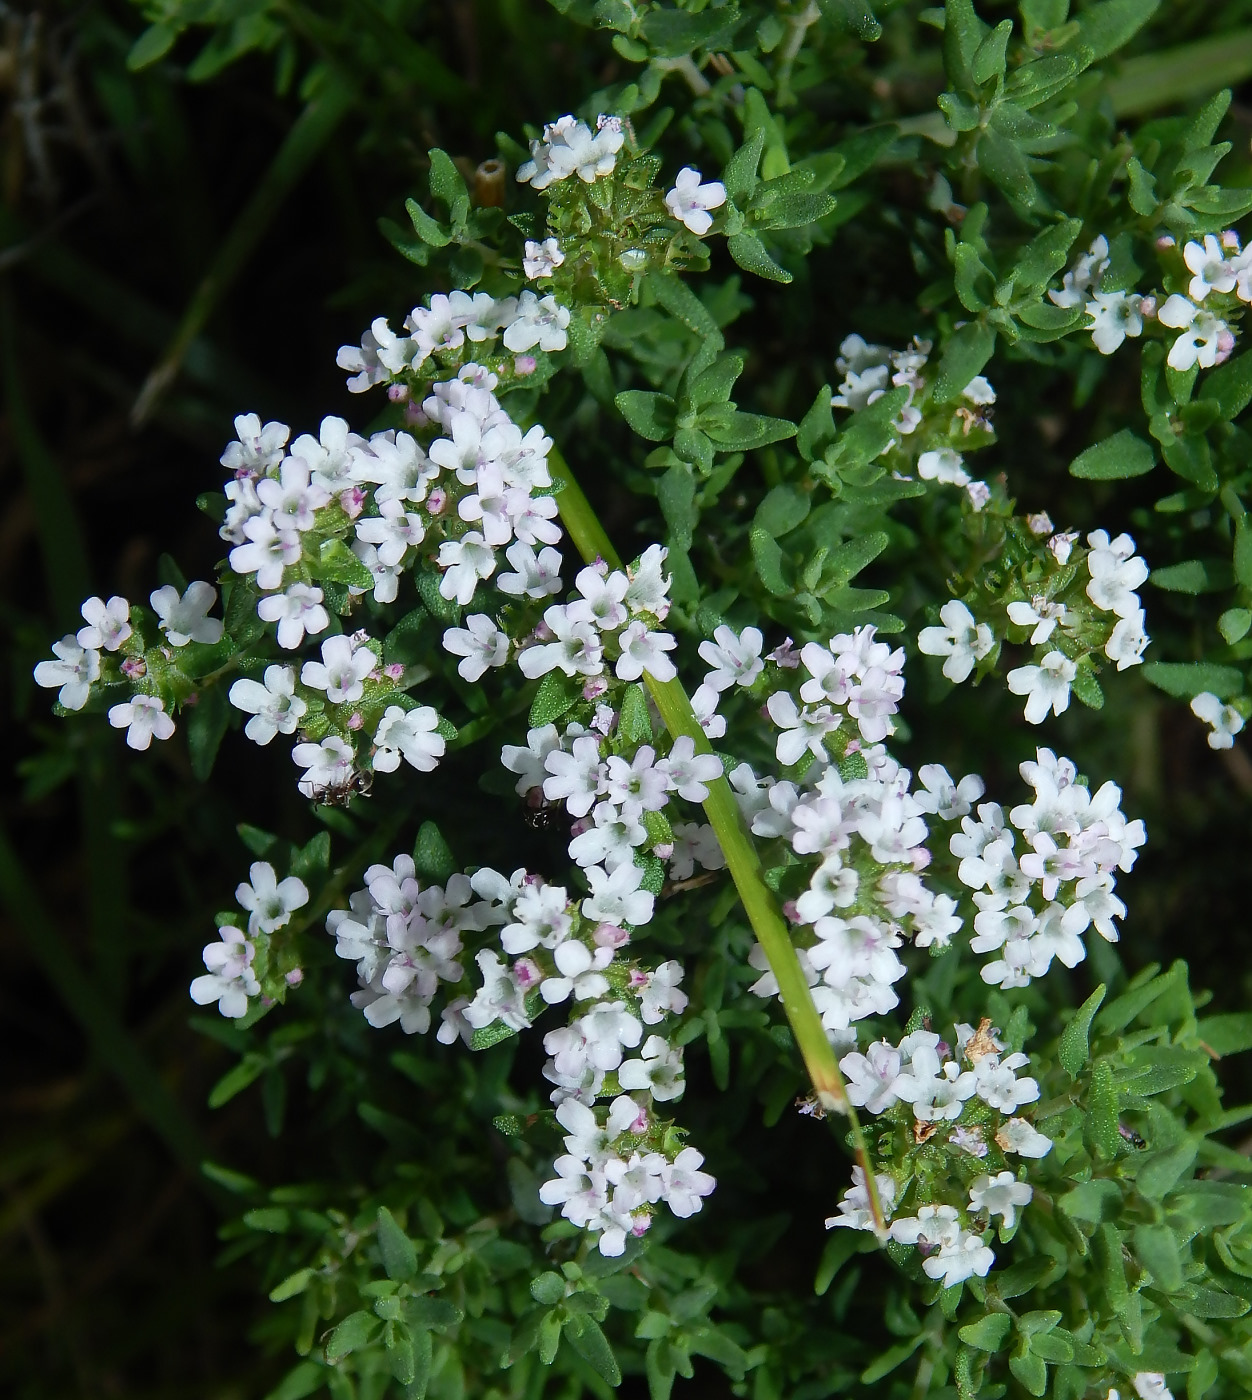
759,903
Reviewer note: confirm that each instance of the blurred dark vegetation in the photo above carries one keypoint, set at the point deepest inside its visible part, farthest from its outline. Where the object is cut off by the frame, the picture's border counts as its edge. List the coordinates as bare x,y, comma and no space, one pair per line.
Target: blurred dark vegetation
124,196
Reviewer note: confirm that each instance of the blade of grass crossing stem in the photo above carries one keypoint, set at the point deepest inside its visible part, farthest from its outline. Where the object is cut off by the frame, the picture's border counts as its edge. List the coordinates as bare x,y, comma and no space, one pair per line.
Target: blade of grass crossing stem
303,143
722,810
1154,80
109,1039
65,569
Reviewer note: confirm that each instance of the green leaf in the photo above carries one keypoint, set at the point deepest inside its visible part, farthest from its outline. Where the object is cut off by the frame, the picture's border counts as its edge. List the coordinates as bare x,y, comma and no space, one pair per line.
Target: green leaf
634,724
556,694
1231,385
1101,1126
153,44
1184,679
1046,254
1160,1172
817,427
1004,165
1073,1049
989,59
432,856
783,508
742,432
1094,1201
303,1379
447,184
1230,1034
964,357
207,722
890,1359
1158,1253
1031,1370
236,1080
1234,625
751,255
1243,552
1194,576
652,416
427,229
352,1333
739,177
856,15
548,1288
583,1333
398,1251
769,562
682,303
1122,455
291,1286
487,1036
337,562
1107,27
988,1333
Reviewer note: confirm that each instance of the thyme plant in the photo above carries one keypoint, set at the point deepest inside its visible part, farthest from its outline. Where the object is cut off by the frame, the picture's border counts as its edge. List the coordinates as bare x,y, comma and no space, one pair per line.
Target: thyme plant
686,840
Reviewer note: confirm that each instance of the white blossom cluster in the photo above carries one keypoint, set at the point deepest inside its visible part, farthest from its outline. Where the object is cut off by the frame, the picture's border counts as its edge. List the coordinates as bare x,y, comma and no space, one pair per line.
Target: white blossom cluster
1114,573
231,980
1035,903
1217,264
569,147
109,649
870,371
1224,721
462,321
968,1103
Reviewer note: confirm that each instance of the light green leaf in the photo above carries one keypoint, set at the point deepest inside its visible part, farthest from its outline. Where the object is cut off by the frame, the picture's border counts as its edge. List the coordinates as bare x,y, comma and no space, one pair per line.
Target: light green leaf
1073,1049
1119,456
398,1251
1229,1034
964,357
352,1333
153,44
652,416
584,1334
988,1333
751,255
557,693
1183,679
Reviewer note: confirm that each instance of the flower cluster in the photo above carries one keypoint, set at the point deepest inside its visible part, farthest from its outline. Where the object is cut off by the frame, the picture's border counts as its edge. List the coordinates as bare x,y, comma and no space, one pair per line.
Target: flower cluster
958,1117
931,439
569,147
1218,274
1066,617
1036,904
110,651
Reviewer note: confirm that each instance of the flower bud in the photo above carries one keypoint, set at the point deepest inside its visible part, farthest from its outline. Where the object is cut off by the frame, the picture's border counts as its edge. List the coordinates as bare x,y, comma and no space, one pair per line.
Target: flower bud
398,393
294,977
610,936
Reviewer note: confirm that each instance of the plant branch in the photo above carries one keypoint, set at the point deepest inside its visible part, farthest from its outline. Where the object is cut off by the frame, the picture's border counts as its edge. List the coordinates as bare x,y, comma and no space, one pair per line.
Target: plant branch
758,899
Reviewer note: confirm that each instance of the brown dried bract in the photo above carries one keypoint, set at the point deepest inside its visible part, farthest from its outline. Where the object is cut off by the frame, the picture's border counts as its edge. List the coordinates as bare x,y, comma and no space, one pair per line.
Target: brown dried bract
923,1132
983,1042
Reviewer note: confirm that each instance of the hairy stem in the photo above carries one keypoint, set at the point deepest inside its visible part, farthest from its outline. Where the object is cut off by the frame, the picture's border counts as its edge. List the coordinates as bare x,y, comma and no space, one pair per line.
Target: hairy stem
758,899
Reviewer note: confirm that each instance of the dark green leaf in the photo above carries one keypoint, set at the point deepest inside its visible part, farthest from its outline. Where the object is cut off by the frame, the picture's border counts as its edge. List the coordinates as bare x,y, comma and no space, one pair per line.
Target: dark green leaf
1122,455
989,1332
207,722
964,357
584,1334
398,1251
1073,1050
652,416
556,694
1184,679
751,255
352,1333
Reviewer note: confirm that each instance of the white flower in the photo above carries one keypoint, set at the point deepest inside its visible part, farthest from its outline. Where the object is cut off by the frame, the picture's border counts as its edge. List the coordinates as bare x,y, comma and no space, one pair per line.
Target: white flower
937,1092
735,659
538,322
269,901
480,642
946,799
186,619
297,611
649,585
1201,335
611,839
999,1195
704,705
997,1084
695,841
602,595
258,449
1211,272
961,640
1040,614
659,997
329,456
577,777
74,670
466,561
872,1077
959,1260
328,765
1150,1385
393,532
292,498
1019,1137
576,649
687,772
1114,316
542,259
341,671
615,896
144,719
108,624
1225,719
1115,573
690,200
230,980
266,551
685,1184
801,729
569,148
578,973
1127,641
943,465
932,1226
1083,275
854,1211
644,651
381,355
1046,686
536,576
528,761
659,1070
409,734
979,391
275,707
